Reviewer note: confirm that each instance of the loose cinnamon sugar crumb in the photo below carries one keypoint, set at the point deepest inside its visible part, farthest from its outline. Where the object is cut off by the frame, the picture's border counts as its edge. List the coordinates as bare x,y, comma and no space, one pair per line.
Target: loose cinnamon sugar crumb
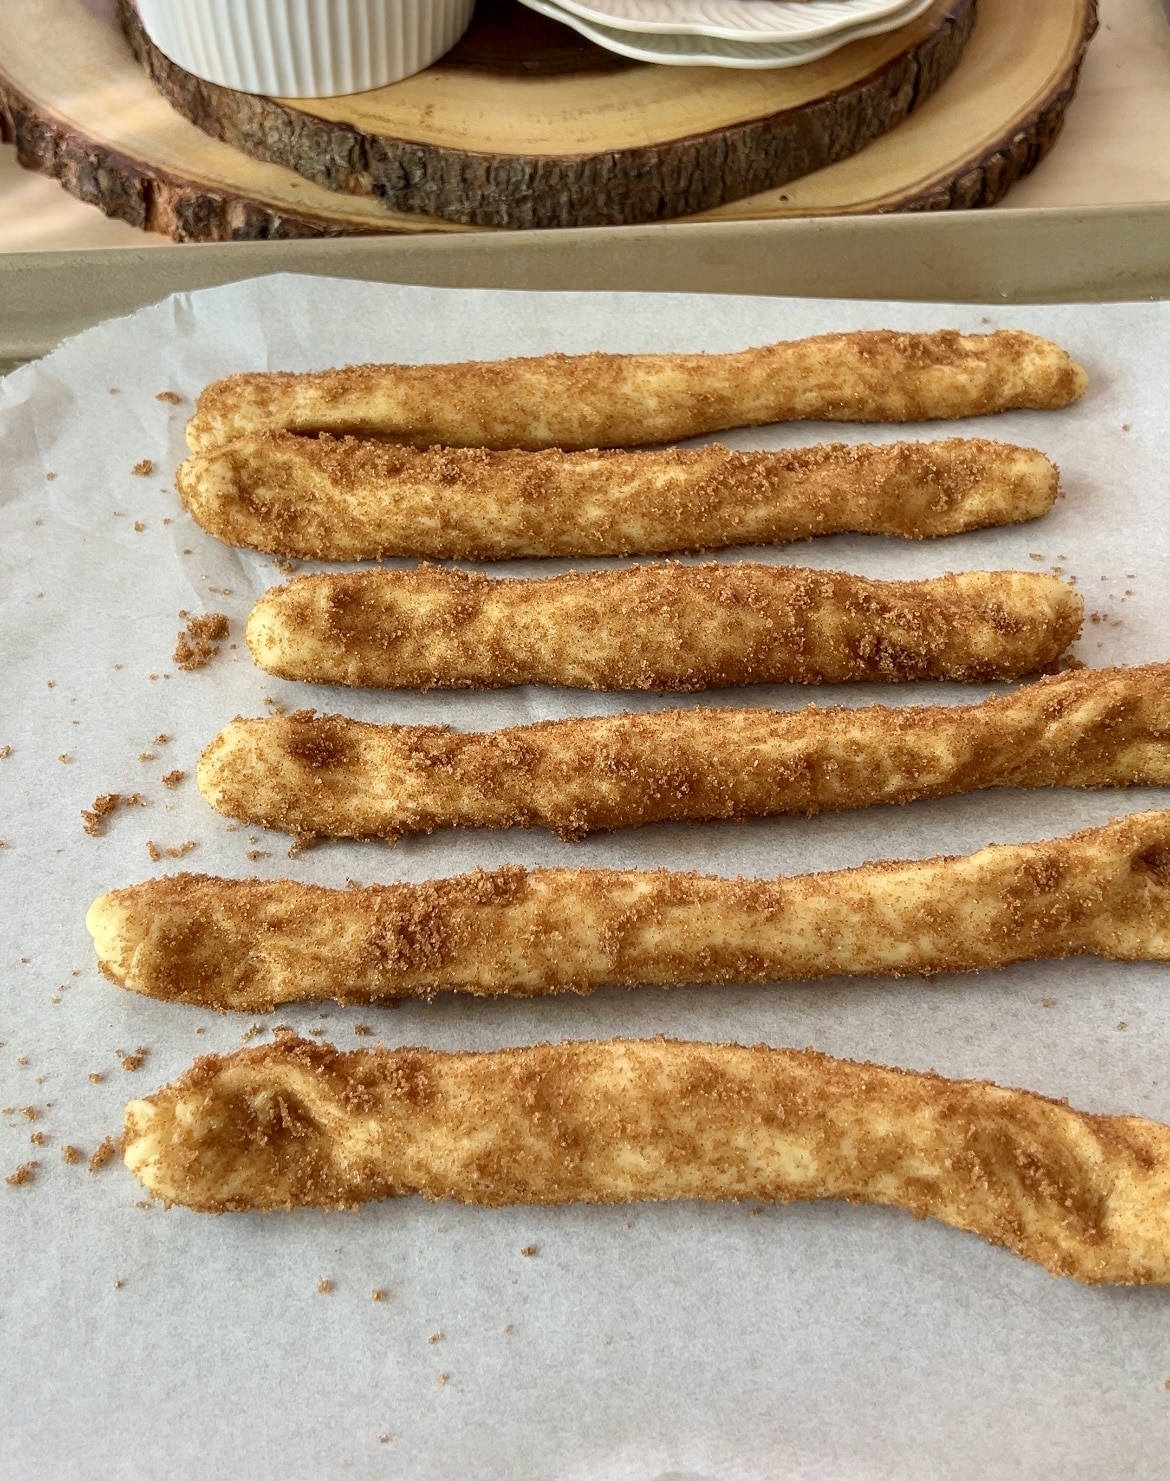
138,527
38,1139
119,1284
30,1113
178,852
324,1287
274,705
103,806
49,477
134,1061
444,1378
143,469
197,645
162,739
436,1337
257,853
25,1173
1047,1002
529,1250
96,1077
362,1030
173,778
70,1154
146,756
65,758
253,1031
378,1295
172,398
105,1153
5,752
385,1439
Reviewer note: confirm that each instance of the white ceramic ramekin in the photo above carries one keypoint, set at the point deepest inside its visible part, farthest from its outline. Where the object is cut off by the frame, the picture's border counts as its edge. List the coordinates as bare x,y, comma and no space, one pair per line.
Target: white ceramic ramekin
304,48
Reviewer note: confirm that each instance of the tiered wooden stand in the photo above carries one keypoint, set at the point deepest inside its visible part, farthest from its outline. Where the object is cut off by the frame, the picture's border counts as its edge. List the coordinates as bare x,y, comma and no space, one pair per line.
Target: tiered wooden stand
526,124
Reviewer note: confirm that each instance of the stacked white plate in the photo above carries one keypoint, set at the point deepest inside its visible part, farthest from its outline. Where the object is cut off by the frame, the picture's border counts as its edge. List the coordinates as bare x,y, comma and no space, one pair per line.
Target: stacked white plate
729,33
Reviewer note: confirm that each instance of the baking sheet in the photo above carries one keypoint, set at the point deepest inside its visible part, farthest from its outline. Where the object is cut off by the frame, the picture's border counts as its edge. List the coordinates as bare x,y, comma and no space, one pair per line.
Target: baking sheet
643,1342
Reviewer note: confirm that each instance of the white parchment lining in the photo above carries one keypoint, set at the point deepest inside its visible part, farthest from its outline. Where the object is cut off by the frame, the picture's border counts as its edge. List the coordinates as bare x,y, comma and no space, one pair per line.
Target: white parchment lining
680,1341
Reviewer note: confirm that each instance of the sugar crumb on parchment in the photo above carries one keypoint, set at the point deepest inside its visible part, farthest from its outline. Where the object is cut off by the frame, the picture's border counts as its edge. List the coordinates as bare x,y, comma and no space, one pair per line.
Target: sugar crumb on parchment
5,752
134,1060
197,644
172,398
23,1175
179,851
49,477
96,1077
71,1154
529,1250
105,1153
103,806
143,469
324,1287
377,1294
173,778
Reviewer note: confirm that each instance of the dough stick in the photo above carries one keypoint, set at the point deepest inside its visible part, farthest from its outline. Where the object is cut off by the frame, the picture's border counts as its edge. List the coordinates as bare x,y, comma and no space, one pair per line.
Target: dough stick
323,499
252,944
600,400
665,627
326,775
295,1124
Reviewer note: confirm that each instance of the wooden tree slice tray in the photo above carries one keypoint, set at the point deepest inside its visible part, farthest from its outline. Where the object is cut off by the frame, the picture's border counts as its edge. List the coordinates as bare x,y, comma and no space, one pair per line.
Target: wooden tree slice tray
527,124
80,108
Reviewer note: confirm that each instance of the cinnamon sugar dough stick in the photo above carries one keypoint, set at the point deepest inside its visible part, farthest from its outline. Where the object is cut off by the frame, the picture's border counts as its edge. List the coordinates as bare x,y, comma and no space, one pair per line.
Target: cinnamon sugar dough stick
324,499
323,774
605,400
296,1124
665,626
249,945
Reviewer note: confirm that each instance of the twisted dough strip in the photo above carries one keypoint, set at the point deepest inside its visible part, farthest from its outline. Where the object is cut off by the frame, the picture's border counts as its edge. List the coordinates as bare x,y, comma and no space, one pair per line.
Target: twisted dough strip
252,944
310,774
296,1124
324,499
598,400
665,626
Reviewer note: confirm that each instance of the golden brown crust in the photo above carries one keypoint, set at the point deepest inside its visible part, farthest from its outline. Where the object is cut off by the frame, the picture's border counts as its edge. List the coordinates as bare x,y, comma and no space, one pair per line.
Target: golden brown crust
296,1124
321,498
249,945
665,626
324,774
600,400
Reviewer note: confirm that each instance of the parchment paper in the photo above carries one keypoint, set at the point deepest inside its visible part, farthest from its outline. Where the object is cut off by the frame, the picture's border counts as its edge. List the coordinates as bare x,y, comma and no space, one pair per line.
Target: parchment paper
815,1341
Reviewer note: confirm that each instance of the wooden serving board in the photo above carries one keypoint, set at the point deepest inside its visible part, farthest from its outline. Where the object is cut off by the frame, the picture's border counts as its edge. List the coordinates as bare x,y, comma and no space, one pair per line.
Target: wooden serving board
79,107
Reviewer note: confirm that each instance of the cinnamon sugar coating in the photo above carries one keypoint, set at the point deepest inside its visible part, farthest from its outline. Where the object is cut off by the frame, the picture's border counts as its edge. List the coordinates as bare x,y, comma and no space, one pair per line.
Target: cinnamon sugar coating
607,400
327,499
249,945
297,1124
664,626
324,774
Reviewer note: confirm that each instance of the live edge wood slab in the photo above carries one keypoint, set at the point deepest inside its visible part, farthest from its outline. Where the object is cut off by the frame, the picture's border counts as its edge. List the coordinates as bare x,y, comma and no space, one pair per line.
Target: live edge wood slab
527,124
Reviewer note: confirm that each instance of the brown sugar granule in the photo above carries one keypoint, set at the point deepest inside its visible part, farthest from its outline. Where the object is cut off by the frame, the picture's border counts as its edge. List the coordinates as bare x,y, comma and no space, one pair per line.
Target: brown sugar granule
70,1154
444,1378
5,752
197,645
173,778
529,1250
103,806
436,1337
105,1153
362,1030
378,1295
172,398
96,1077
133,1061
38,1139
178,852
146,755
143,469
30,1113
257,853
49,477
1123,1024
253,1031
25,1173
138,527
162,739
1048,1002
119,1284
324,1287
385,1439
65,758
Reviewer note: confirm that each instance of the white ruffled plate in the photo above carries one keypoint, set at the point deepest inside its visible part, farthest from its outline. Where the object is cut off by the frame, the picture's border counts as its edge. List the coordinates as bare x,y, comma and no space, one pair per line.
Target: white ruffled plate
756,21
676,50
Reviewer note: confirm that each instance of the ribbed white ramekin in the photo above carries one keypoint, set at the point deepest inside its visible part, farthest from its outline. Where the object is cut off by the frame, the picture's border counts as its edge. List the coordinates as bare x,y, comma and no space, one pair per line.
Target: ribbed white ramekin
304,48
